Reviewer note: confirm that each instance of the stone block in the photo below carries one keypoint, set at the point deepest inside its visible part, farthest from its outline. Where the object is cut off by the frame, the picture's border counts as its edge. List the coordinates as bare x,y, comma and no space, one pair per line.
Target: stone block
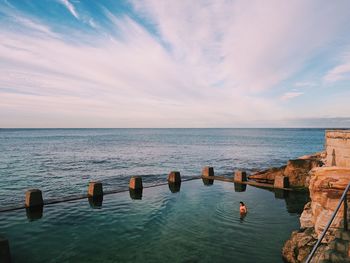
95,189
174,177
208,171
5,256
34,198
135,182
240,176
281,182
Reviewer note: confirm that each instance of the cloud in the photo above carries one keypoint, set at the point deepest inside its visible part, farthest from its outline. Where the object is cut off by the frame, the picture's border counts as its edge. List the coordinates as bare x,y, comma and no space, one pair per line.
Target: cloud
291,95
340,72
305,84
70,7
163,65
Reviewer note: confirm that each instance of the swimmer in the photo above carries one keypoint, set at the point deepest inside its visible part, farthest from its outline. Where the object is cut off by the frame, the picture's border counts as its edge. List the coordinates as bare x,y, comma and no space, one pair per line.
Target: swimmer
242,208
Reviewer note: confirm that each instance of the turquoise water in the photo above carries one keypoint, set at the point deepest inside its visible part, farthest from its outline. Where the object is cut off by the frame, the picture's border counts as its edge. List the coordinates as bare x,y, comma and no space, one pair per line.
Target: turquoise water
197,224
61,162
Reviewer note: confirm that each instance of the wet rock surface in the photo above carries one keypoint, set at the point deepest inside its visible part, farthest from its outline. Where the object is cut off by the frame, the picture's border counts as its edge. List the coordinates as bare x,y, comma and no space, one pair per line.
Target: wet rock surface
296,170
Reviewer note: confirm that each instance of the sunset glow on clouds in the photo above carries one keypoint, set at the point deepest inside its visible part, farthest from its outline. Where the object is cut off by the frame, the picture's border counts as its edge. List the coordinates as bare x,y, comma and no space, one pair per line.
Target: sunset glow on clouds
69,63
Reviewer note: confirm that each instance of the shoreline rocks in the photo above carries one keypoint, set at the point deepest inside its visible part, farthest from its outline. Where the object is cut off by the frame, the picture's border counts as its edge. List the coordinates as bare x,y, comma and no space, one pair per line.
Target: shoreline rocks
326,187
296,170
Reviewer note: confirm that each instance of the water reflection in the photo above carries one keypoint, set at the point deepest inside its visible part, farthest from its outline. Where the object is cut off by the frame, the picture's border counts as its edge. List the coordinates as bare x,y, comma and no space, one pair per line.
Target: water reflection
174,187
242,216
135,194
281,194
295,200
34,213
240,187
208,182
96,201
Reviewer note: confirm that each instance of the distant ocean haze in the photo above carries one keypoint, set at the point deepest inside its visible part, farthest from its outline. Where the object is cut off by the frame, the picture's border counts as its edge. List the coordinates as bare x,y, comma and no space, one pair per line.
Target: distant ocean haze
61,162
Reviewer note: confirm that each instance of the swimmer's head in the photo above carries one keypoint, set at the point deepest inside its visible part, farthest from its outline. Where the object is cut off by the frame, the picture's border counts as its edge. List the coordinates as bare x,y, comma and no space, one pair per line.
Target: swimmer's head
241,203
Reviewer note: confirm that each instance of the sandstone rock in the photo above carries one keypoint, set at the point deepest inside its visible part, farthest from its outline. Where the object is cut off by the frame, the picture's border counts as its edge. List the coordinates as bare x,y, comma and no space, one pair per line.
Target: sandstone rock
298,170
306,217
267,176
299,246
338,148
326,186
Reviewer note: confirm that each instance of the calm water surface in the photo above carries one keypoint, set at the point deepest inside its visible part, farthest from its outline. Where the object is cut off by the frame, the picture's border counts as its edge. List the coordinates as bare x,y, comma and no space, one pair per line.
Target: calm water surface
197,224
61,162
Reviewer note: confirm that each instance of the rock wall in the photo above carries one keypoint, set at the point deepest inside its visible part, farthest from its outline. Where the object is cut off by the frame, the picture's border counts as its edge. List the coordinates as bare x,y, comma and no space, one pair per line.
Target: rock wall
296,170
326,187
338,148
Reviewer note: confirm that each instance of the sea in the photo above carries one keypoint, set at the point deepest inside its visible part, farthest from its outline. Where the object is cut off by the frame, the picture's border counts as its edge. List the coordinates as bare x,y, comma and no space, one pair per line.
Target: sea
61,162
197,221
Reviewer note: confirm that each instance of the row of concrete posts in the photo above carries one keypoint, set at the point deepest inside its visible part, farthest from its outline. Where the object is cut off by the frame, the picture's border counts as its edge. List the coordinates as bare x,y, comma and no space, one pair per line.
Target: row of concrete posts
34,200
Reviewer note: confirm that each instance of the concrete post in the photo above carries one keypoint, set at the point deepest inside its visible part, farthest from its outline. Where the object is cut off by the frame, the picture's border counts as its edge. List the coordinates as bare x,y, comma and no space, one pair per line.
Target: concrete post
5,256
174,177
34,198
240,176
95,189
207,171
135,182
281,181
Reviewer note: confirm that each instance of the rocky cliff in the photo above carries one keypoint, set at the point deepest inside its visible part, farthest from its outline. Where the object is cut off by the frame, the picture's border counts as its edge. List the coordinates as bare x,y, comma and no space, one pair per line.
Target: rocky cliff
326,187
296,170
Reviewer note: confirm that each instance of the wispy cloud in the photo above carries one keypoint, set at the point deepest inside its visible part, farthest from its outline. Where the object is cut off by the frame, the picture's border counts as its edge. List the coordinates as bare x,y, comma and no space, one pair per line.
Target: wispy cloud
291,95
70,8
340,72
305,84
164,65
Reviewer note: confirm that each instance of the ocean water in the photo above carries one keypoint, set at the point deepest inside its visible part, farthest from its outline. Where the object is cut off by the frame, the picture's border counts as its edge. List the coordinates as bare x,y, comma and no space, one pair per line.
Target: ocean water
198,223
61,162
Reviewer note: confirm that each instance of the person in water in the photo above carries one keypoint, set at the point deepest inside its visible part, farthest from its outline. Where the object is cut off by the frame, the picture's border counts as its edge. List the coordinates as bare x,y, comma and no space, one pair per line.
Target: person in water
242,208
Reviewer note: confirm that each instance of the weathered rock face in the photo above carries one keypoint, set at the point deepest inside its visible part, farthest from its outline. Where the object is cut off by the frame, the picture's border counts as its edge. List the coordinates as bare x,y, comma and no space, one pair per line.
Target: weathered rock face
299,246
296,170
326,187
338,148
267,176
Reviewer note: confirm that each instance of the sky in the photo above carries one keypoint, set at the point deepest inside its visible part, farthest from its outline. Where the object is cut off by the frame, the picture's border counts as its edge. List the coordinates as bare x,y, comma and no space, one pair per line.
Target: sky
151,63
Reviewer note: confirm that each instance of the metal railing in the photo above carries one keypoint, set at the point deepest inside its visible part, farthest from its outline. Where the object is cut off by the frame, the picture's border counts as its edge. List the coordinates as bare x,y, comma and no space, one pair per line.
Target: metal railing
345,218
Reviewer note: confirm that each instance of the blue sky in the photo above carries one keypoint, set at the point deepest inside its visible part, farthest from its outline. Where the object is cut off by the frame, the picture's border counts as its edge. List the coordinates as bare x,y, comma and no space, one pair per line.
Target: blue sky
150,63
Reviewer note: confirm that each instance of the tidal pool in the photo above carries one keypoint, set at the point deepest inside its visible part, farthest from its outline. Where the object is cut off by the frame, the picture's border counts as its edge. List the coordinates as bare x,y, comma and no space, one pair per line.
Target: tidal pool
199,223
